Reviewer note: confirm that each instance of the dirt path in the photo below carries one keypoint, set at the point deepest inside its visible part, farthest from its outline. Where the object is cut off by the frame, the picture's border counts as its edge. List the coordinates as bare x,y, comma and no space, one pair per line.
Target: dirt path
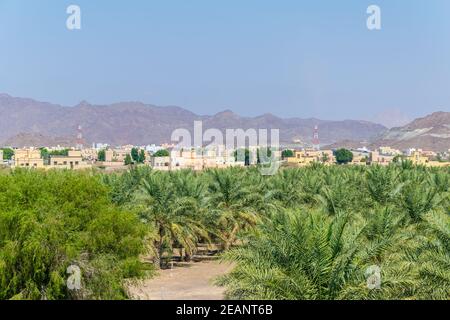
191,281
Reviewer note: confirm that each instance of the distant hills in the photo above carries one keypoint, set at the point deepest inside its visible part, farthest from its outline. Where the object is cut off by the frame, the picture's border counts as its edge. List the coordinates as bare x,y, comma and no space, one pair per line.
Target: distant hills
431,132
27,122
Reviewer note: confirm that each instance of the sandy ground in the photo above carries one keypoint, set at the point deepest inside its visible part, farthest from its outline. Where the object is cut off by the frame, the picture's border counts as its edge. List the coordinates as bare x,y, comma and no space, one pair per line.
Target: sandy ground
191,281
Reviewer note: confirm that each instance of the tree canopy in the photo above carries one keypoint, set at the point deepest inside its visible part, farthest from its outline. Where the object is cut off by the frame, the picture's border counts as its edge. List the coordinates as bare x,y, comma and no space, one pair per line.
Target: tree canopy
343,156
8,153
317,232
161,153
101,156
287,153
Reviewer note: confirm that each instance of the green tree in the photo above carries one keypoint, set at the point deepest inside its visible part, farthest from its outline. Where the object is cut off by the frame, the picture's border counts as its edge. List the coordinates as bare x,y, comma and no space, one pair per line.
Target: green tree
231,201
287,154
141,158
174,217
264,155
52,220
128,160
102,155
7,153
343,156
383,184
45,154
242,155
64,152
135,155
330,265
161,153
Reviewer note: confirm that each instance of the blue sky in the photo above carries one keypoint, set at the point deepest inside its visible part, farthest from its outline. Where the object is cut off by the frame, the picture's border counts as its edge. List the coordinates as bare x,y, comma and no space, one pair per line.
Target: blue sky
289,58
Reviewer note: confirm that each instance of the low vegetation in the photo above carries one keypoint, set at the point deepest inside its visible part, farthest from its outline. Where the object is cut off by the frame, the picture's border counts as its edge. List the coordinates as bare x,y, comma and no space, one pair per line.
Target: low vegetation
305,233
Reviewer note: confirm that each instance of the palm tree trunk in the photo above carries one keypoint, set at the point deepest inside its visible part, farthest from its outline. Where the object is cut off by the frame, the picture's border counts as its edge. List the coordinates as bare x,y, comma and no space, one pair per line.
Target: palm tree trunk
159,250
231,237
160,254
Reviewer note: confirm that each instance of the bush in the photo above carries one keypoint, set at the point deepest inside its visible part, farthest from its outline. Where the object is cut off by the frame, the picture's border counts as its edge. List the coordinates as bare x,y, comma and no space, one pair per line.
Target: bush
49,221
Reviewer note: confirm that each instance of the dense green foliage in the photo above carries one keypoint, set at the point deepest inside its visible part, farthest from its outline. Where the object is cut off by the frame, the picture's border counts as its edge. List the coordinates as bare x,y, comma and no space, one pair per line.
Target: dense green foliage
343,156
335,224
101,155
309,233
287,154
49,221
128,160
137,156
7,153
306,233
161,153
243,155
141,157
45,154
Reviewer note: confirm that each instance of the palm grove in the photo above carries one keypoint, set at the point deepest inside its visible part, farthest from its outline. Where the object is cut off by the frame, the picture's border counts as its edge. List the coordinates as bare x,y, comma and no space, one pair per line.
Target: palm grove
306,233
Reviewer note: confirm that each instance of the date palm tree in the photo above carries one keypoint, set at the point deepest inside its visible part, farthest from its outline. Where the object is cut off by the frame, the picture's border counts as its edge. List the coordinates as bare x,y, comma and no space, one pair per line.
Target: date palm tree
232,204
295,256
174,217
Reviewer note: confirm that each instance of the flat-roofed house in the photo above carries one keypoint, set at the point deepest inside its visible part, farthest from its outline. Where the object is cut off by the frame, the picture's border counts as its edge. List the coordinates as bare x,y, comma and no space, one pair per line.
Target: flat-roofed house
160,163
381,159
417,158
308,156
28,158
73,161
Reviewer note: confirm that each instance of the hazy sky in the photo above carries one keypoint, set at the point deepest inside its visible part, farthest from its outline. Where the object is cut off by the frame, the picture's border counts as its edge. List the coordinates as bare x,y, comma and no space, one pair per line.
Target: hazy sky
290,58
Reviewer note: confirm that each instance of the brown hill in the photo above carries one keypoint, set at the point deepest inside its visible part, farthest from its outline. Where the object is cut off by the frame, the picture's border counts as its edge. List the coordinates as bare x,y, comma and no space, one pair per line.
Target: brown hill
429,133
37,140
22,120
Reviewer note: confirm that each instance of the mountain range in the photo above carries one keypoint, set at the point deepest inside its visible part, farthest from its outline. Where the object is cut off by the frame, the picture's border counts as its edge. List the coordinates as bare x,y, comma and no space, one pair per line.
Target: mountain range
27,122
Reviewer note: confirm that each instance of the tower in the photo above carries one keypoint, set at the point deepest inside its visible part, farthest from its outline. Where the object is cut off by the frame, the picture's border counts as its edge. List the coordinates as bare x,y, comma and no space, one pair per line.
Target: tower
316,141
79,140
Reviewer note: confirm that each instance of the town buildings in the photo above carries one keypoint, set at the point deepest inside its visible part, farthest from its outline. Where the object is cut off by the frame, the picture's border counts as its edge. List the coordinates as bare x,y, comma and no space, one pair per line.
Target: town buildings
73,160
28,158
211,157
306,157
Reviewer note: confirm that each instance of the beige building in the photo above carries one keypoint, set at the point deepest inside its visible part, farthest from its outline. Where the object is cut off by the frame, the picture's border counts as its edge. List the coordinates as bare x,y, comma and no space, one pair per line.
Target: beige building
114,158
118,154
90,154
160,163
417,158
186,159
360,158
28,158
428,154
219,157
308,156
381,159
388,151
110,156
73,161
201,159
